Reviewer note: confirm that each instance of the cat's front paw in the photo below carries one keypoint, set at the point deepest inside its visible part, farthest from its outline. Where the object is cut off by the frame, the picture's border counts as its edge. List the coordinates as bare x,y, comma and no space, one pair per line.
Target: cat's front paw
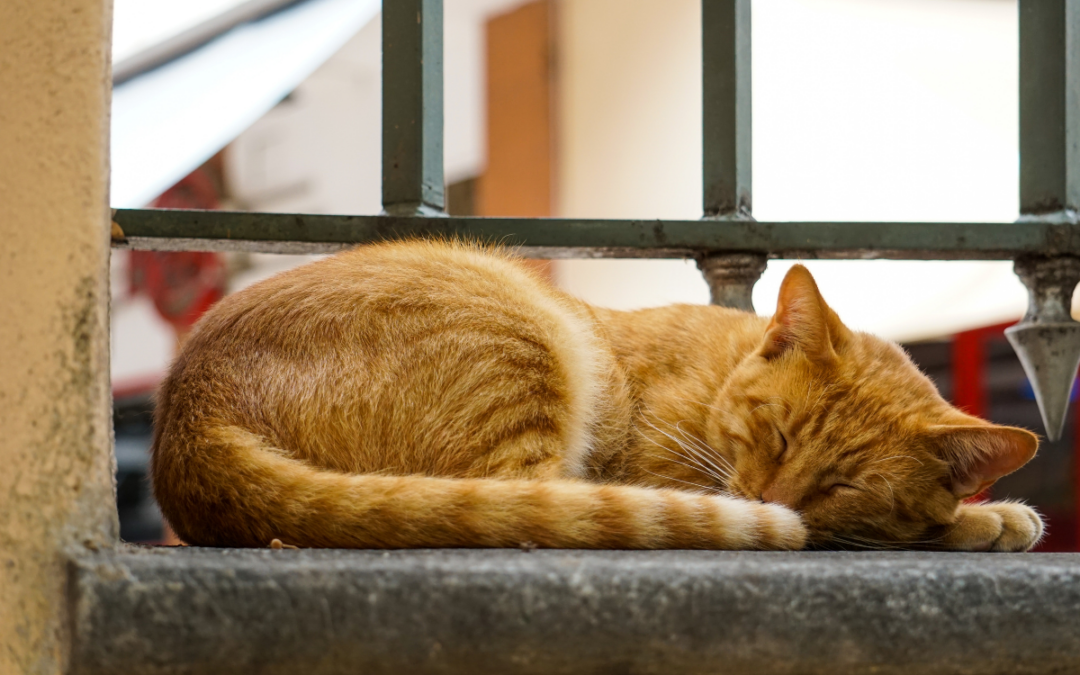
997,526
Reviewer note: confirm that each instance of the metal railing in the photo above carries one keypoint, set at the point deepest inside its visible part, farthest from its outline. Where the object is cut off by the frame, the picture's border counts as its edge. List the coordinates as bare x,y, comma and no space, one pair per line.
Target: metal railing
730,246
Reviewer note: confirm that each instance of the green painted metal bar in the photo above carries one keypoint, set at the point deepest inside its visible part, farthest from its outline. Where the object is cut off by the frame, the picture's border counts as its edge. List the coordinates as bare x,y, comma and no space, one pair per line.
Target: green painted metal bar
1049,106
412,34
551,237
726,108
1047,340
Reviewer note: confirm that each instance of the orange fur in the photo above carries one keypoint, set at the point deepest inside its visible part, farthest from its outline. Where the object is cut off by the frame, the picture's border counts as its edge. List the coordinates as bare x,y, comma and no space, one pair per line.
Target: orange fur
436,394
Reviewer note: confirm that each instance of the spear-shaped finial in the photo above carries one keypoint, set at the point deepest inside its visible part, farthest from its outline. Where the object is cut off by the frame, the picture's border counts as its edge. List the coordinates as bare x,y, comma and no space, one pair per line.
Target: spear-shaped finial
1047,339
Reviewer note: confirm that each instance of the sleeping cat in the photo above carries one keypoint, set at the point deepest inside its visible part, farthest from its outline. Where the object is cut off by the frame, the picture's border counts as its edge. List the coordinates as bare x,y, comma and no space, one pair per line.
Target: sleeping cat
427,394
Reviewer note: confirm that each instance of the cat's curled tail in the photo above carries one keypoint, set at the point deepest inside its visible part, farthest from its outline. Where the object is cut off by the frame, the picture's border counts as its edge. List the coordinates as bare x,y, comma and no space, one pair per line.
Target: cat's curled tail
238,491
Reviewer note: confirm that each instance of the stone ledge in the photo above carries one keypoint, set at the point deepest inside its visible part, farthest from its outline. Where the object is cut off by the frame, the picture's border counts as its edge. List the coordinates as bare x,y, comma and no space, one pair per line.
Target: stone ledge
209,611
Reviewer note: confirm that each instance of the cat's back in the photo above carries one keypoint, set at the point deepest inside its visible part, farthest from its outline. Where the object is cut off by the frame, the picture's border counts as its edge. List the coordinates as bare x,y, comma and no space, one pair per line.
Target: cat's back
400,339
347,300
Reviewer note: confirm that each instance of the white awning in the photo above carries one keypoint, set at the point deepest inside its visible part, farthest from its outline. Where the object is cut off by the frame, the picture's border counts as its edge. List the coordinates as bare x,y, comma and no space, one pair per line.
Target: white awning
141,25
168,121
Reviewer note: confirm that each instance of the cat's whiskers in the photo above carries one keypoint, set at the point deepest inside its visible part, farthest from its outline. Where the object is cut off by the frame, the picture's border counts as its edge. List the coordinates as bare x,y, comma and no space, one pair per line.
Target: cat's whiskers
852,541
710,489
765,405
711,471
703,488
697,465
708,454
892,495
886,545
885,459
700,450
698,468
836,539
704,458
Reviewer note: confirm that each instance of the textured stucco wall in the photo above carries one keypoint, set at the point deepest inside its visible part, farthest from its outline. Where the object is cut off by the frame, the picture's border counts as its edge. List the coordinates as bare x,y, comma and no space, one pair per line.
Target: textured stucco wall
56,474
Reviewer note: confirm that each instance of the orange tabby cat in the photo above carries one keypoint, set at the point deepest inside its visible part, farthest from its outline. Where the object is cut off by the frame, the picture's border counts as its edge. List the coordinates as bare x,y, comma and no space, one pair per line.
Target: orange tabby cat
433,394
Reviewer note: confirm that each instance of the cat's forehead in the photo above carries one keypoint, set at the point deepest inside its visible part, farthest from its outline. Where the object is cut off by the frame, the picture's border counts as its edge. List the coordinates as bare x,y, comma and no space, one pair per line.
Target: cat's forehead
880,366
882,400
872,382
847,441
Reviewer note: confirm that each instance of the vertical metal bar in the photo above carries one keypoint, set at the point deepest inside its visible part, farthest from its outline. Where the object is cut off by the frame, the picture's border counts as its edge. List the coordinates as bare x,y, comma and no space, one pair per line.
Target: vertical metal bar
1049,106
412,35
731,278
725,52
726,154
1047,340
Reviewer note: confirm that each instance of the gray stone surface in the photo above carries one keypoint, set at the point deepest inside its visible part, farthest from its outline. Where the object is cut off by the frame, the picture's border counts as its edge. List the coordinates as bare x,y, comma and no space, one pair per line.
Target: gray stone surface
210,611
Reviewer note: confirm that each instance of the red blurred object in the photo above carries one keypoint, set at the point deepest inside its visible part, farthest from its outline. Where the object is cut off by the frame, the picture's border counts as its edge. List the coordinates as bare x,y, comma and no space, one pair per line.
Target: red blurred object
184,284
969,385
970,395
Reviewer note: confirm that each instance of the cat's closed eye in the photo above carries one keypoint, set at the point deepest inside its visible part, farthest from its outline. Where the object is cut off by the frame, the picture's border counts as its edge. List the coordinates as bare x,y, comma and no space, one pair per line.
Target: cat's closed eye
838,488
783,446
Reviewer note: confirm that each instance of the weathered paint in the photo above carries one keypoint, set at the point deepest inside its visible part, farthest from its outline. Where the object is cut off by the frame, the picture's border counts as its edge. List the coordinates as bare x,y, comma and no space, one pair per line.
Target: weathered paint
566,238
56,469
731,278
1047,340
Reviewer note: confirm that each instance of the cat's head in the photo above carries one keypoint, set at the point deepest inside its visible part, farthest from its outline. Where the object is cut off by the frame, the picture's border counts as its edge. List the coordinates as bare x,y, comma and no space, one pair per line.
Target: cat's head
842,427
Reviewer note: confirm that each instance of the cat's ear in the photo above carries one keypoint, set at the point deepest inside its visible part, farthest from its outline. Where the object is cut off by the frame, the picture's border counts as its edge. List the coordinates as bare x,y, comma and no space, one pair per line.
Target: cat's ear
982,453
803,320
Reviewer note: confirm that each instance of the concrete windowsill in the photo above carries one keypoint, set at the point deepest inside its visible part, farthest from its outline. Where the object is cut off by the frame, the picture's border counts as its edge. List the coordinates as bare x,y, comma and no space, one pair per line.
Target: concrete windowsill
209,611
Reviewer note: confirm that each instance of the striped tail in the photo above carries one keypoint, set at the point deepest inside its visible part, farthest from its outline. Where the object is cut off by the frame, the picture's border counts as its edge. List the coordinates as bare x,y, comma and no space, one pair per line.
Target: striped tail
237,491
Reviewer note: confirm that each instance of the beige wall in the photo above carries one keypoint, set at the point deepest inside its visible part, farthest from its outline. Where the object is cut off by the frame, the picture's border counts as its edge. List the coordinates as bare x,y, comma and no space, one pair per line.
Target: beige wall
895,110
56,469
629,137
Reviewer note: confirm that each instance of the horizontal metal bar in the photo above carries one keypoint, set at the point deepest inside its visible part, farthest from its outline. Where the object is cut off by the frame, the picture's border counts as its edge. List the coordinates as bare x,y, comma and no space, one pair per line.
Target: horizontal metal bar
175,230
208,611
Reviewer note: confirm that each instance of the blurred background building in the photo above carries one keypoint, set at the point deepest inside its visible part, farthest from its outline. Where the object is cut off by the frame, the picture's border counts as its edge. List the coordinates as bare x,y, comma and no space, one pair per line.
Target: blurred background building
863,111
